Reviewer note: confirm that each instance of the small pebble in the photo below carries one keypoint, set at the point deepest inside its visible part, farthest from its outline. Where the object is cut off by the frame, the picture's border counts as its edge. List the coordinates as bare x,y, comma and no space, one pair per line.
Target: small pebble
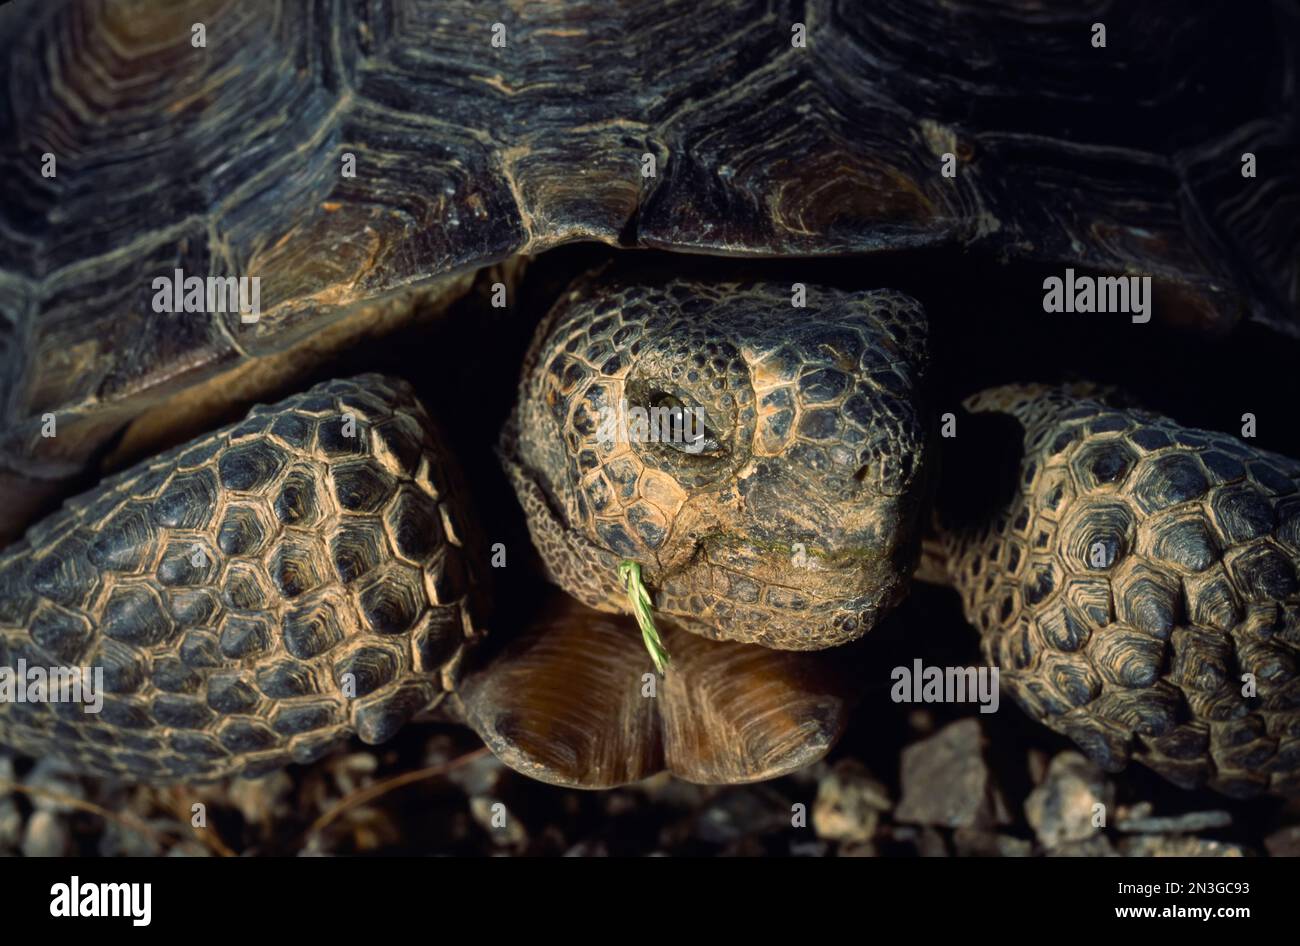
50,782
739,813
1071,802
1096,846
482,776
11,825
972,842
1147,845
1284,843
947,782
1176,824
47,835
849,804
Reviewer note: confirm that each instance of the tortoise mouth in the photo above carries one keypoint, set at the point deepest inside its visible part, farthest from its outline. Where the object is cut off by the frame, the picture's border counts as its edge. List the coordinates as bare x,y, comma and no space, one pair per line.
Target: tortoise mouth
782,596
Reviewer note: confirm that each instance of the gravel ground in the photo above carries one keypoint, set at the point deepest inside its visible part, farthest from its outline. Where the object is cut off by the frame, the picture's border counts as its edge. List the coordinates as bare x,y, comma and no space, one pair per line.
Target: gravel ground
434,791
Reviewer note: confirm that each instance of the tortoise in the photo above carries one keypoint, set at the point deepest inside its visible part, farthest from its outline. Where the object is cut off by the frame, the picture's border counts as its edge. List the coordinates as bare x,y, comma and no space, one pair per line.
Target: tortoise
320,567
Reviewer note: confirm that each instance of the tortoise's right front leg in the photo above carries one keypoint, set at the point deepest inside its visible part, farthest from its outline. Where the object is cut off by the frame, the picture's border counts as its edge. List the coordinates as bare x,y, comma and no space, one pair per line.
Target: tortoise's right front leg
248,599
1137,585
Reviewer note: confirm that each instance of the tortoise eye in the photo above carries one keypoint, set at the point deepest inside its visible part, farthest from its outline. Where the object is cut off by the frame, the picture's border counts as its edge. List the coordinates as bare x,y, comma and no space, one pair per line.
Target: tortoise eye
681,427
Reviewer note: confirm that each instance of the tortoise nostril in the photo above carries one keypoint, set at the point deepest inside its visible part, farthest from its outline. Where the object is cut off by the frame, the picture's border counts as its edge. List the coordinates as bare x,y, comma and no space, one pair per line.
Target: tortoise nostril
863,470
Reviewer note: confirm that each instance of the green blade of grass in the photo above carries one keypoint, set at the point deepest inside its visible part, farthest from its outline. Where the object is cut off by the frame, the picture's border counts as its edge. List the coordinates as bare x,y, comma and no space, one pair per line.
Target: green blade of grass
629,573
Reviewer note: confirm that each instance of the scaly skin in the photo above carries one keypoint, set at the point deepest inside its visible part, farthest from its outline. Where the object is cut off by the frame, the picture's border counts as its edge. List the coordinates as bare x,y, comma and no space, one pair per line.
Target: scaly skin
1137,572
796,527
229,587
